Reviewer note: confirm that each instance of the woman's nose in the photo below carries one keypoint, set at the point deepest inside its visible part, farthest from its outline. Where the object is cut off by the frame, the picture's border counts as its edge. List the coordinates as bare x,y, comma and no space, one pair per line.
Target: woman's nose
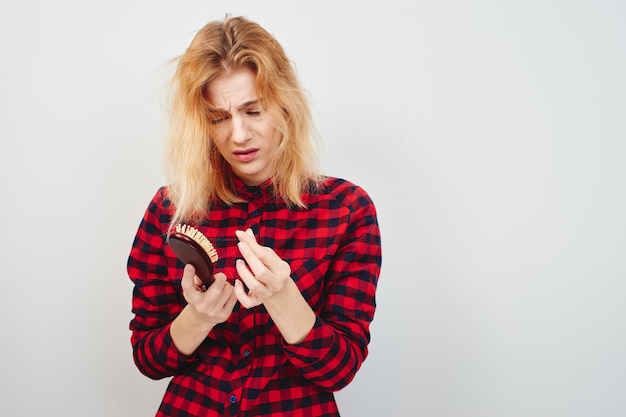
240,132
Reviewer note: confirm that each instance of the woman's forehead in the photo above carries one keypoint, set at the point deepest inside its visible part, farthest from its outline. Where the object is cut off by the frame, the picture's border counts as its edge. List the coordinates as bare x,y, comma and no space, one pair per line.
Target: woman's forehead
232,90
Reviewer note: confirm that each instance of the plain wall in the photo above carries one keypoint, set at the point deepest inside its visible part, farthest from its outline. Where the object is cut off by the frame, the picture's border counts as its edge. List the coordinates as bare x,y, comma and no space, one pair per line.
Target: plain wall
490,134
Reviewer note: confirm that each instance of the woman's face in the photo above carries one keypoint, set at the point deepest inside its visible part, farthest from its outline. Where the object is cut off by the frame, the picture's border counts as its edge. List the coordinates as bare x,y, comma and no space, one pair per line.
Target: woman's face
244,135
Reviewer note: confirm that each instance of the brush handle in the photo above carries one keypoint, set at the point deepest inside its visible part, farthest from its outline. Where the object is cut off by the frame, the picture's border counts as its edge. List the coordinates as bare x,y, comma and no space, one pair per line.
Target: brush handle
190,252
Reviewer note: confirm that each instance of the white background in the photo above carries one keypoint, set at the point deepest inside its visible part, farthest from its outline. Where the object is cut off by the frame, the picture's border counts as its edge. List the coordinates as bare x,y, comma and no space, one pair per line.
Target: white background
490,134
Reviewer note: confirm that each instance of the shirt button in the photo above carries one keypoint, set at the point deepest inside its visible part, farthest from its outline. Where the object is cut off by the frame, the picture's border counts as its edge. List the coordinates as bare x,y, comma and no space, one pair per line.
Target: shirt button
246,353
233,399
255,213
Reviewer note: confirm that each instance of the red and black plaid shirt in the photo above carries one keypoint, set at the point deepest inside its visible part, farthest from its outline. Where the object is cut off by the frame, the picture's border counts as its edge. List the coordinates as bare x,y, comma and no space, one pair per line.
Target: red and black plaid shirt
244,367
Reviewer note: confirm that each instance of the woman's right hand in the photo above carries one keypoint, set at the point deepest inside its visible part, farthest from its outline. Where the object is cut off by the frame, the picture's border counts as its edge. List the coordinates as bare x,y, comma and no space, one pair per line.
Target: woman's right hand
205,309
212,305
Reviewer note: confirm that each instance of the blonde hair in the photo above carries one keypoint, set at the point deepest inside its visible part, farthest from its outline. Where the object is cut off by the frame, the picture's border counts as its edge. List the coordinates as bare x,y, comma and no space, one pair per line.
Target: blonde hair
197,174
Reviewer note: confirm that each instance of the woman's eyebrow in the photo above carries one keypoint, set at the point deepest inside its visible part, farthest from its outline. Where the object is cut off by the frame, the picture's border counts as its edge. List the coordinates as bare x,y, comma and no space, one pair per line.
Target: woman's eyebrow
248,103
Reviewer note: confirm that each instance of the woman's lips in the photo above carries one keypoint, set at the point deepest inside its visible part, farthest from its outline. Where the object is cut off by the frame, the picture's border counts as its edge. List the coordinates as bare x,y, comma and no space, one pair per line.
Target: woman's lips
245,155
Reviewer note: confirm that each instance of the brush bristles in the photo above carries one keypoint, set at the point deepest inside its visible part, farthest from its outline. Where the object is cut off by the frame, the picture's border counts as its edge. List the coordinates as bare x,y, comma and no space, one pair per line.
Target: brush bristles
199,238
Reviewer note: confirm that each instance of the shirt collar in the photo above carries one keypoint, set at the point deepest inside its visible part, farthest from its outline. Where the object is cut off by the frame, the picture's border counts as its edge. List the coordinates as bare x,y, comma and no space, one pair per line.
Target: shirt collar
248,192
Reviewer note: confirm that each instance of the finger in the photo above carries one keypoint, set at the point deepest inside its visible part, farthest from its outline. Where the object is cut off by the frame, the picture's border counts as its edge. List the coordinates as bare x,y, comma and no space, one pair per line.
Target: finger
226,295
244,234
259,258
245,299
257,289
254,262
248,238
254,285
219,291
220,277
240,293
232,300
198,283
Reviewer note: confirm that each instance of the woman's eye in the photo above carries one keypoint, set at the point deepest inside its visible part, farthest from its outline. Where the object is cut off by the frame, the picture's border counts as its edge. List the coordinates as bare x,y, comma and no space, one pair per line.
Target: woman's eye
218,120
254,113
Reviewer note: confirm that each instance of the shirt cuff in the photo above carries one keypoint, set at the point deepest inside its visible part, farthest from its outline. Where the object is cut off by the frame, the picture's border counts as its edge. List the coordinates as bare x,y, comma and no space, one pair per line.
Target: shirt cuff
317,345
169,354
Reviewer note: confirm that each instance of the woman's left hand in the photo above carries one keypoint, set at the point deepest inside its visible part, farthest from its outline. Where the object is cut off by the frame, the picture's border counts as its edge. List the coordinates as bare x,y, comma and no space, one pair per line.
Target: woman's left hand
263,271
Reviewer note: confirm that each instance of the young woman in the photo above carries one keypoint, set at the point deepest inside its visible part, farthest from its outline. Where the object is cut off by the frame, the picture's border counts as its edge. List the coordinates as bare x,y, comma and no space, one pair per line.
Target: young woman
286,322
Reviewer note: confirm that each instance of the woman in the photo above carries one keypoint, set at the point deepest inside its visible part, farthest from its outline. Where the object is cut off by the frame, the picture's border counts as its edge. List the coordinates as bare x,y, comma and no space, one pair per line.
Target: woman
286,321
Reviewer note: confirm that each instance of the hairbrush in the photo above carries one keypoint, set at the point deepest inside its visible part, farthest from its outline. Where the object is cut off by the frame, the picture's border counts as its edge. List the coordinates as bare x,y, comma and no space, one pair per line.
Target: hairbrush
192,247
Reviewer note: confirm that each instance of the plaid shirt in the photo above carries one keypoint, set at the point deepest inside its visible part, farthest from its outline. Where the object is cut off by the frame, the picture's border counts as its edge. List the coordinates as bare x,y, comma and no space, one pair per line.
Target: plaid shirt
244,367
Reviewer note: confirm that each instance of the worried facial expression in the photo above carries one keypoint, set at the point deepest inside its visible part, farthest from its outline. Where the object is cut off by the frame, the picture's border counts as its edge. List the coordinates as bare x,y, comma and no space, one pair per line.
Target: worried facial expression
243,134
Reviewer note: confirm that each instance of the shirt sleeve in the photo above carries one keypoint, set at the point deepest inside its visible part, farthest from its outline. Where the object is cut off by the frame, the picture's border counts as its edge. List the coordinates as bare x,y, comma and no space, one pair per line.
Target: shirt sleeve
336,347
156,297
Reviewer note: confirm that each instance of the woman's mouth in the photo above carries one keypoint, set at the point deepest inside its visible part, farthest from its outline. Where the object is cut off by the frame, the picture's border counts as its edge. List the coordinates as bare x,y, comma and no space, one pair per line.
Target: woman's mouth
245,155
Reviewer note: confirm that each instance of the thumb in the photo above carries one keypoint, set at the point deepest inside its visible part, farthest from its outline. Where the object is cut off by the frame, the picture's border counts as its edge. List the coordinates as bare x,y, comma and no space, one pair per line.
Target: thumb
188,282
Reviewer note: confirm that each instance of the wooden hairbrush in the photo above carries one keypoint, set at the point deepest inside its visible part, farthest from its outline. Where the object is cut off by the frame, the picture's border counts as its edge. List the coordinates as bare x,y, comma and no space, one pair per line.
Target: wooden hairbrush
192,247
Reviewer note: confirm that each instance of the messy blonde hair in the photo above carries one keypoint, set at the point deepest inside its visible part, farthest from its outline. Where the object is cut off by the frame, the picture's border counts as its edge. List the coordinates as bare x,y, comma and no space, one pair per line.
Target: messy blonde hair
197,174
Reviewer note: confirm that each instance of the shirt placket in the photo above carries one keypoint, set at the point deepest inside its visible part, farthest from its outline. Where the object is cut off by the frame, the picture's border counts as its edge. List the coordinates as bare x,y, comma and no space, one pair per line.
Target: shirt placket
237,401
255,212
